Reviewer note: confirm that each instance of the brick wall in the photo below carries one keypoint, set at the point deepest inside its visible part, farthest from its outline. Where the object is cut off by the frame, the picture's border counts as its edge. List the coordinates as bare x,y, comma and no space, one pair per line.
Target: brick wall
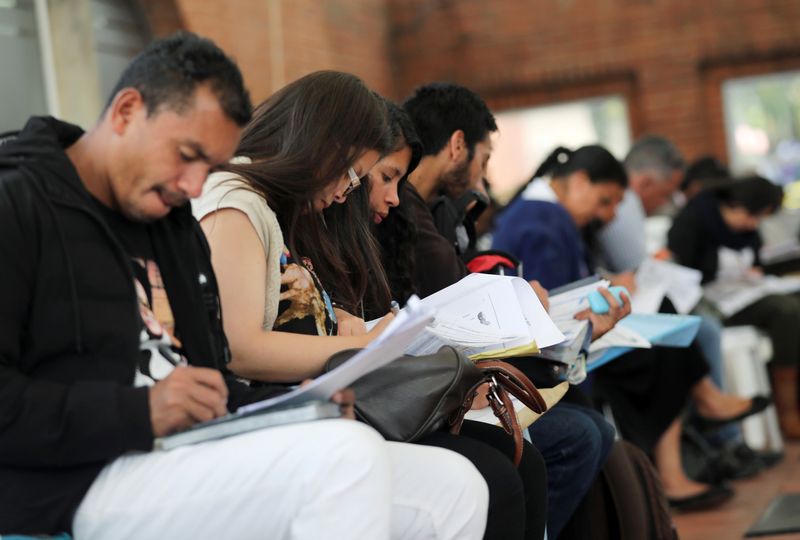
277,41
666,56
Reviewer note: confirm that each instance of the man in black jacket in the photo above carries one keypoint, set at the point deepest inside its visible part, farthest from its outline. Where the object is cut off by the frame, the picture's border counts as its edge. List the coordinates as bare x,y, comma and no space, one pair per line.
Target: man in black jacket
111,336
455,127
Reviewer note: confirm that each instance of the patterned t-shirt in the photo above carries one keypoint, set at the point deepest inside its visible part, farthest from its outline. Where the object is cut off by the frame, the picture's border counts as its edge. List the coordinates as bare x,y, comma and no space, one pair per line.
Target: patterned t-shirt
160,349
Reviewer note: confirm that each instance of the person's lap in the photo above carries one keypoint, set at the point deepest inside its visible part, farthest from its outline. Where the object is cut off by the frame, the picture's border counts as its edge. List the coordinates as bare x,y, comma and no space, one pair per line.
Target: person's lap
574,442
331,478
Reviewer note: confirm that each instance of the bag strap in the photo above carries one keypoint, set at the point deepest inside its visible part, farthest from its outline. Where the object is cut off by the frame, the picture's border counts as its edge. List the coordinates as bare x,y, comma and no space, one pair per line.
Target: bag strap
503,409
514,381
503,378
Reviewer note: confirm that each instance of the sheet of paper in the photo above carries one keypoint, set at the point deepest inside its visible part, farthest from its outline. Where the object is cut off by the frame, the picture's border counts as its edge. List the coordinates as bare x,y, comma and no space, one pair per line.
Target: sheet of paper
656,279
391,344
619,336
731,296
564,306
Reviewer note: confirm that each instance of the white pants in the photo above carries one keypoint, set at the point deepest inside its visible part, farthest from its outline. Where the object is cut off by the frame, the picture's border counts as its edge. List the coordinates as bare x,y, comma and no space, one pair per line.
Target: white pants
316,480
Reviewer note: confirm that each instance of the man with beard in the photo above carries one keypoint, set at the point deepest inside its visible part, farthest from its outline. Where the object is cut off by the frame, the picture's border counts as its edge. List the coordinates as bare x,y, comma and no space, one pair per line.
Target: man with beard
455,126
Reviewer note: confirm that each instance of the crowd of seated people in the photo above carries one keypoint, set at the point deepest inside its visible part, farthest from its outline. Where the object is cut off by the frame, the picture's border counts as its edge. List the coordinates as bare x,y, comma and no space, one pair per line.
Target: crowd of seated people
132,313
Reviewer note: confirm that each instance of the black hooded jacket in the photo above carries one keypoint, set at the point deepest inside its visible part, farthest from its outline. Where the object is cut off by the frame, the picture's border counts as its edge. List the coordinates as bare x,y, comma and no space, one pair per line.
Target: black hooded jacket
69,330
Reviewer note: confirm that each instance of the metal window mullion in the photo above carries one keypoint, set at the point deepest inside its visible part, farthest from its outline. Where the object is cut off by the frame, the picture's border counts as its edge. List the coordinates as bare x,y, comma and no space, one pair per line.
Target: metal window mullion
48,63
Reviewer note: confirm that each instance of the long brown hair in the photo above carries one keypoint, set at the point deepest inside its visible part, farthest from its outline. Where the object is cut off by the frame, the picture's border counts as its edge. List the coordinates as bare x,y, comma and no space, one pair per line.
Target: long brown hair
300,140
388,249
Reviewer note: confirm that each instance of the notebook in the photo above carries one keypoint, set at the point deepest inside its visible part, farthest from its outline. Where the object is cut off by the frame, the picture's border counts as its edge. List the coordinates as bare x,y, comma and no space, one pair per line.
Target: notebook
237,423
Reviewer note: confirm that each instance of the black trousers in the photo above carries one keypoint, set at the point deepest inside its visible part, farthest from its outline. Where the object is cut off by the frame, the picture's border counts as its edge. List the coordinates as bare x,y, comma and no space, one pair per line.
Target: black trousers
648,389
779,317
517,496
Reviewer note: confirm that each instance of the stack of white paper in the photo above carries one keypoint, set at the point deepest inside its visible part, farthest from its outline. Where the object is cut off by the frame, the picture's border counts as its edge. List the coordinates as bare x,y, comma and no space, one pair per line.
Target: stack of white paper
486,315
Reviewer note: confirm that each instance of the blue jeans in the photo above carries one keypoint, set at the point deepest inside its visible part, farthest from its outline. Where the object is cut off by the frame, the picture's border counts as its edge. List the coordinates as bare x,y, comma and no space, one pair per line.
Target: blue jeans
574,442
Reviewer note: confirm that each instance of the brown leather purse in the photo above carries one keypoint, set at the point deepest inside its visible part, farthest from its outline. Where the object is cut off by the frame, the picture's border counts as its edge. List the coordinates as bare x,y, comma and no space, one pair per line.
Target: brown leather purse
417,395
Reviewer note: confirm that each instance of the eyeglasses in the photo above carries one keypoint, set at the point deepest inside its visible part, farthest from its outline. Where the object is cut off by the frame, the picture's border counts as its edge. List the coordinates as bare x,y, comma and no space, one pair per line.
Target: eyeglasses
355,181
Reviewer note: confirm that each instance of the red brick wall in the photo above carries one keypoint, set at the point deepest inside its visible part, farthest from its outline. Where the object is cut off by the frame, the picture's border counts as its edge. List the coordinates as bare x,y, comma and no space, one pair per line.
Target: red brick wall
277,41
664,55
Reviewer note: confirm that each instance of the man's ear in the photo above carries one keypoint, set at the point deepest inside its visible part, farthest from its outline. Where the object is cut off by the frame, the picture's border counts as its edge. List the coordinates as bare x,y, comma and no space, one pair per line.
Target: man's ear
457,146
127,103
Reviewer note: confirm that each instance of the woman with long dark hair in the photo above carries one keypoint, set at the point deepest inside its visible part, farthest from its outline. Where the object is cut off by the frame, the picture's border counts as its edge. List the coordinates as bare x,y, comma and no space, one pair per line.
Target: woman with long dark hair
305,149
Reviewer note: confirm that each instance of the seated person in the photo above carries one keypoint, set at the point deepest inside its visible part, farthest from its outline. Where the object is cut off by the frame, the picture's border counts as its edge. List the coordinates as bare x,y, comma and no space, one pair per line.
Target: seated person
277,256
454,126
541,226
108,293
725,219
655,166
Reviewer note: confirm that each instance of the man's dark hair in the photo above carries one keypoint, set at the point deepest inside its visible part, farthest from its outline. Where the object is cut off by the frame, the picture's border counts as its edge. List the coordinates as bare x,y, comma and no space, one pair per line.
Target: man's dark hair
439,109
168,71
705,171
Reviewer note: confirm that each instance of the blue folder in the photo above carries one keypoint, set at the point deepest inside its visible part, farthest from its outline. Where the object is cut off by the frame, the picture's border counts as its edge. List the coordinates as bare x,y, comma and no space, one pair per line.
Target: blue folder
662,329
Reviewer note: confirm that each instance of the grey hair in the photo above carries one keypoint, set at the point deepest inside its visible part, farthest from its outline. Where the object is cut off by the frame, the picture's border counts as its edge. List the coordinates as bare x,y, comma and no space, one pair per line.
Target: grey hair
654,153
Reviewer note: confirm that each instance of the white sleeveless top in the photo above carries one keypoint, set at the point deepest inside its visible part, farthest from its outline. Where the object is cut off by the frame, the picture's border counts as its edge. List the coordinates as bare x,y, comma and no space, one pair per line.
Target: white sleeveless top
227,190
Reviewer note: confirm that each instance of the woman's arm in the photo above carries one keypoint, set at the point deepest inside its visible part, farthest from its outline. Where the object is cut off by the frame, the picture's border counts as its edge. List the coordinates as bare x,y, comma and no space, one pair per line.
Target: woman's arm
239,261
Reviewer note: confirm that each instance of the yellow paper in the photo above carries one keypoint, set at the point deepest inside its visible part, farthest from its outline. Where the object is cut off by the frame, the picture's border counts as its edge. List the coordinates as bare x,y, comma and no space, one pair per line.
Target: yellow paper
520,350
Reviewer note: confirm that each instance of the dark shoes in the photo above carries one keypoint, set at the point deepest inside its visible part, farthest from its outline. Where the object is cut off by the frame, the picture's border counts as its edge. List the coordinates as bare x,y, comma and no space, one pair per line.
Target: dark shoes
710,498
709,424
736,463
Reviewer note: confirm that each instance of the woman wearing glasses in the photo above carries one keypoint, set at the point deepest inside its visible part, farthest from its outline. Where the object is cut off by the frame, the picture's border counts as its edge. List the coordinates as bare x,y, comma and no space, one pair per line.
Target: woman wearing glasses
305,149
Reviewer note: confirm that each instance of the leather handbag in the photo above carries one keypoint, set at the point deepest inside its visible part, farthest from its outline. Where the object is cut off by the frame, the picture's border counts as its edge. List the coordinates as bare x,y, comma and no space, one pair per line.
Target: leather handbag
417,395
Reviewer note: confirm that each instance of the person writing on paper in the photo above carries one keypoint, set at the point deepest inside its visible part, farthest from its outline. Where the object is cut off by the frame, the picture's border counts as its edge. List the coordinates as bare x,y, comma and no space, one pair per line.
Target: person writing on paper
646,392
263,220
717,233
96,234
286,170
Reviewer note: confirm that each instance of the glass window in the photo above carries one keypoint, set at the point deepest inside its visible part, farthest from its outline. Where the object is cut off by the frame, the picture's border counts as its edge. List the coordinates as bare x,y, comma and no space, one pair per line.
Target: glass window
762,125
526,137
22,84
119,33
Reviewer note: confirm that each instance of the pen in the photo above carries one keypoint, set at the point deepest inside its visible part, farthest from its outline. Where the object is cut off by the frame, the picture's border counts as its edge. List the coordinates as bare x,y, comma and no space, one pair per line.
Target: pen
395,307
